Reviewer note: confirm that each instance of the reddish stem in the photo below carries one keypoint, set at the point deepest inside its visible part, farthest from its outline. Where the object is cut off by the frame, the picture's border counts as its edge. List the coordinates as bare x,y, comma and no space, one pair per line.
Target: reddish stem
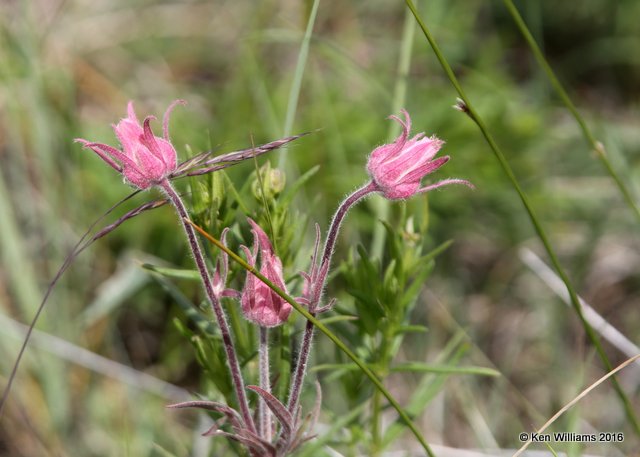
316,288
232,358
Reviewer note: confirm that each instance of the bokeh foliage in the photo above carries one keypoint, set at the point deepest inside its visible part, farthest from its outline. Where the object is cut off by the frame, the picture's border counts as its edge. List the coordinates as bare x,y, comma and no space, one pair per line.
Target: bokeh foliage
68,69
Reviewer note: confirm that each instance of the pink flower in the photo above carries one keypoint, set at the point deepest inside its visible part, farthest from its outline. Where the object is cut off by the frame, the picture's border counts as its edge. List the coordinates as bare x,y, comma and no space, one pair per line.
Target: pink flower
397,169
259,303
145,160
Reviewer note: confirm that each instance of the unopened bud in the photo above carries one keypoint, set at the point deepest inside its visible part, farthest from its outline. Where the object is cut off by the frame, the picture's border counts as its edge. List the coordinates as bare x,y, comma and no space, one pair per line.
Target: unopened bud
269,183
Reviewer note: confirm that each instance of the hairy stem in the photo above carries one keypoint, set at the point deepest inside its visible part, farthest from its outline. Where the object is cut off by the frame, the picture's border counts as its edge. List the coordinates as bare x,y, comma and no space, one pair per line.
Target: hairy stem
404,416
316,288
232,358
264,415
332,236
301,368
323,328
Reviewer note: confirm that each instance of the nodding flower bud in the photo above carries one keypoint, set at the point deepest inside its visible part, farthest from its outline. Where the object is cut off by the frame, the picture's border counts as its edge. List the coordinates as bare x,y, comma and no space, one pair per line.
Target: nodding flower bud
396,169
259,303
145,160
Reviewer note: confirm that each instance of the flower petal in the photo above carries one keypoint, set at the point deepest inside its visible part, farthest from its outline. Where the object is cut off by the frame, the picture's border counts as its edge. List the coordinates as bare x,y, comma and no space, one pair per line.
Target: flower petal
396,169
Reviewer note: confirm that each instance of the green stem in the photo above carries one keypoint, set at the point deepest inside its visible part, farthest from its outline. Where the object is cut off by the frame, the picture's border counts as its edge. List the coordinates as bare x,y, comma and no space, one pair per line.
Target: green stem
470,111
562,93
382,363
376,407
343,347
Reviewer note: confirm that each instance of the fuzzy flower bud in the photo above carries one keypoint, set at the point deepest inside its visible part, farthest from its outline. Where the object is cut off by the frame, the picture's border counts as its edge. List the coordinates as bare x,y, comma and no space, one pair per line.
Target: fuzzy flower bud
144,160
259,303
397,169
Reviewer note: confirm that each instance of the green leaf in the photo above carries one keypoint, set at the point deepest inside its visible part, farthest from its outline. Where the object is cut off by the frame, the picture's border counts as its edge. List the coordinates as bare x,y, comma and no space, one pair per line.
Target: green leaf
411,293
286,198
236,194
162,451
334,319
392,242
366,261
429,385
175,273
182,329
436,251
188,308
335,366
338,424
411,329
420,367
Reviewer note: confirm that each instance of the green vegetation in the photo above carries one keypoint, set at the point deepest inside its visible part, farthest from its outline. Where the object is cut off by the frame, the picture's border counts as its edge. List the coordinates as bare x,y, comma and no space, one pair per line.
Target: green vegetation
433,293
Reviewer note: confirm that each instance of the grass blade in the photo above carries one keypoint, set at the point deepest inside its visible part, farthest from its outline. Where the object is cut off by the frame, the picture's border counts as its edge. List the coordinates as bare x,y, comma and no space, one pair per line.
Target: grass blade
467,107
562,93
80,246
73,353
608,331
296,85
582,394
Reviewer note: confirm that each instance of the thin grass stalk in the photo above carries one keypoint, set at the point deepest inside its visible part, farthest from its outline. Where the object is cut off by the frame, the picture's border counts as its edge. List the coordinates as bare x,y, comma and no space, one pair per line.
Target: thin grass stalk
296,85
80,246
475,117
579,397
597,146
343,347
88,360
232,358
610,333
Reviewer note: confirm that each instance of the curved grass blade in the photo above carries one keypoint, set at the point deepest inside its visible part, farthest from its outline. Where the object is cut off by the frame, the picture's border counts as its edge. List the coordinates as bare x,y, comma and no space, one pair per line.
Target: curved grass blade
464,105
80,246
580,396
597,146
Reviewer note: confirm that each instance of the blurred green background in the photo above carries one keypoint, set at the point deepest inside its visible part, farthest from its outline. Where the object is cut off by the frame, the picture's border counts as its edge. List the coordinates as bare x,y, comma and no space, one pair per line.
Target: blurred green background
67,70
